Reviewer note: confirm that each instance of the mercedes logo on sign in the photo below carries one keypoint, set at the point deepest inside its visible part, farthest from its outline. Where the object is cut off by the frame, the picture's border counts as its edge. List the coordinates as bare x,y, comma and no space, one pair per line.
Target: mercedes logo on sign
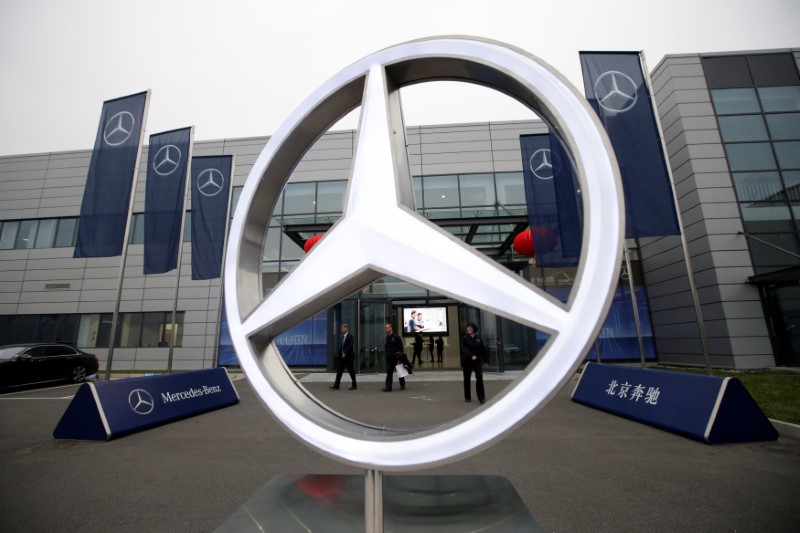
141,402
118,128
543,163
210,182
166,160
615,92
380,199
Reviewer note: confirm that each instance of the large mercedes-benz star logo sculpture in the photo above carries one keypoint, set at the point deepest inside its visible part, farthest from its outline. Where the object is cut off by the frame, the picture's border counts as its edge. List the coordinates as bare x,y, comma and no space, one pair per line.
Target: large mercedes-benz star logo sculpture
379,213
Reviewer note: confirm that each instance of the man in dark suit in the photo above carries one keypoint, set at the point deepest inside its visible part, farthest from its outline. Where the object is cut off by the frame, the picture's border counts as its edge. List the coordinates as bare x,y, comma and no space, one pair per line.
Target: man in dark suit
393,349
346,358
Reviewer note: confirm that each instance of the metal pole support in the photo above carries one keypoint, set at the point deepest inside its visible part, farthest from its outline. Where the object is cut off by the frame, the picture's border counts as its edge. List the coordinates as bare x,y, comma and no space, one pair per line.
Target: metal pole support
373,501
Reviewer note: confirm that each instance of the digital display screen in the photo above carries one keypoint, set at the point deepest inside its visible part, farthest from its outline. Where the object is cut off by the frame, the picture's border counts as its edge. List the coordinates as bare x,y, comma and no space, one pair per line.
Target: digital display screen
425,320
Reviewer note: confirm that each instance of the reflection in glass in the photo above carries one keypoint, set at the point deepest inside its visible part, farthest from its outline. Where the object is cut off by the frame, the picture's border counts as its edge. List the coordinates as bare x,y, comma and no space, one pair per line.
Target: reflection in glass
477,189
784,126
26,234
788,154
776,99
66,232
792,181
330,196
766,217
299,198
770,256
750,156
734,101
757,186
510,189
743,128
440,191
46,233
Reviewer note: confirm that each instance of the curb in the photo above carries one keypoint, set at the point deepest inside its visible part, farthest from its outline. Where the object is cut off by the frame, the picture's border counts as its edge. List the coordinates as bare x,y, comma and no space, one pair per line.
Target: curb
786,429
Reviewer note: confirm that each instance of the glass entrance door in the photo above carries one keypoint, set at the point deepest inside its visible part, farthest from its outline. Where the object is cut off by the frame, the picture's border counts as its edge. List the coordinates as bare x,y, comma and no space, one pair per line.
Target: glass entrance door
373,317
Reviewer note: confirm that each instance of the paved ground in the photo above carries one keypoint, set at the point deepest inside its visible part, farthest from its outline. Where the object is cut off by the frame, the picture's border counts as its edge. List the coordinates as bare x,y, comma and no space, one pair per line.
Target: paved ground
576,469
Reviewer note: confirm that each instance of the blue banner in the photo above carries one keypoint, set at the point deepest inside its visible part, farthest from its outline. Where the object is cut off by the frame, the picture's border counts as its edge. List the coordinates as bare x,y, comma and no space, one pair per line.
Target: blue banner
167,161
550,193
615,87
211,185
706,408
107,194
108,409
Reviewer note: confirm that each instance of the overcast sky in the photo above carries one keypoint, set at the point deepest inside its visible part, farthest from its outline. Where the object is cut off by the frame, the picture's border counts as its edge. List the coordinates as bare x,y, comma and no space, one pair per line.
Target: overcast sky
235,68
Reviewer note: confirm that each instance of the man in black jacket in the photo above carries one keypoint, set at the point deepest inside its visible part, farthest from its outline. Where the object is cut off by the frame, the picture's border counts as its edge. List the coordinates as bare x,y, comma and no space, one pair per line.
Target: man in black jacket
393,349
473,359
346,358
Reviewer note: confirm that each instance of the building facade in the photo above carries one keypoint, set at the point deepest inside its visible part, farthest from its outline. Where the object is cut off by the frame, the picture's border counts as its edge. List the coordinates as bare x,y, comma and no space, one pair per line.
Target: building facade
468,179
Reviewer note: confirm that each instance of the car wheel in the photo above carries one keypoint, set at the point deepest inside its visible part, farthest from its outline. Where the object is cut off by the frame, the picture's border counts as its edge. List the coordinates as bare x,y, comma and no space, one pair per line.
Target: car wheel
78,374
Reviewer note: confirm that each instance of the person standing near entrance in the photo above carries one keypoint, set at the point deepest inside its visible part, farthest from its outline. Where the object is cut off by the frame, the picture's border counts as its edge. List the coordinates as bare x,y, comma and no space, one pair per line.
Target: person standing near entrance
439,349
393,349
473,359
417,352
346,358
430,347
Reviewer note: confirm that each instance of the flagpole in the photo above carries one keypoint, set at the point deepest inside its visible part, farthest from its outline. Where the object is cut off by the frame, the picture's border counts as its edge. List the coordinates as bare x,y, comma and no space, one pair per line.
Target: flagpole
634,303
187,179
115,316
222,264
689,269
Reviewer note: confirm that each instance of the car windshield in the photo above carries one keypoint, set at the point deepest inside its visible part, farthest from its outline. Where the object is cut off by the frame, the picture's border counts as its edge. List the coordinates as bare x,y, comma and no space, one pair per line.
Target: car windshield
8,352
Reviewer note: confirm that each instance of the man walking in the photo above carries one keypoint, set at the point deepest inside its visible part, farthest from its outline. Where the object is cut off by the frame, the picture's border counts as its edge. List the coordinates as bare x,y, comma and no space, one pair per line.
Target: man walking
393,349
346,358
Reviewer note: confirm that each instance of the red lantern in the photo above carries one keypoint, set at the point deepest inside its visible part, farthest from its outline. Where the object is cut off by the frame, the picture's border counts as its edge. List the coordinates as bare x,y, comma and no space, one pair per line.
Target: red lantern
523,243
311,242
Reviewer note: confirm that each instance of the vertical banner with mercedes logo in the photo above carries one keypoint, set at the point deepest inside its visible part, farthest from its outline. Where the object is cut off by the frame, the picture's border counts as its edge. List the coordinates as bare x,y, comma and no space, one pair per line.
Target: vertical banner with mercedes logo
211,179
615,87
106,196
167,161
550,194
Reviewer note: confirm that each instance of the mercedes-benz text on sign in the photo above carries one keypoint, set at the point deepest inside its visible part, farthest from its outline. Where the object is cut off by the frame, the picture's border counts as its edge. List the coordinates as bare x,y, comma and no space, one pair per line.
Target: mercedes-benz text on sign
106,410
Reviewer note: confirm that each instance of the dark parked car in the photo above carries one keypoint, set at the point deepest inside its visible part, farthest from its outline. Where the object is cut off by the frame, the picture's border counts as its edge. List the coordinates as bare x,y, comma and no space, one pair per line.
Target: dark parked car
22,364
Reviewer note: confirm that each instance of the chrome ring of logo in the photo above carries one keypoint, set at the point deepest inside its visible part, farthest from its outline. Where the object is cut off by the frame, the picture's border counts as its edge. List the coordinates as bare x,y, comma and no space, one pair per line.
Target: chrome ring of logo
615,92
379,200
210,182
141,402
167,160
118,128
543,163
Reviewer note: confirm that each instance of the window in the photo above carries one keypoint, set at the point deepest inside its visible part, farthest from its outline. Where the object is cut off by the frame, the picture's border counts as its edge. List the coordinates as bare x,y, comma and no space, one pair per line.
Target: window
46,234
788,154
66,233
440,191
750,156
477,189
330,196
26,234
735,101
8,234
727,71
777,99
758,186
299,198
743,128
511,189
784,126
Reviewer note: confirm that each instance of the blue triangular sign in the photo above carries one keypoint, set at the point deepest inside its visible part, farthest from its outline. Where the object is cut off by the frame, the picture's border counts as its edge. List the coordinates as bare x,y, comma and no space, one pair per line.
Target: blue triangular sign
82,419
739,418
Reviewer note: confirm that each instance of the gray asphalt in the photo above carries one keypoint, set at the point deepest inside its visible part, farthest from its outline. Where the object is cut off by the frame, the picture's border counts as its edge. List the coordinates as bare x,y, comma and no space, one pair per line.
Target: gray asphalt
575,468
